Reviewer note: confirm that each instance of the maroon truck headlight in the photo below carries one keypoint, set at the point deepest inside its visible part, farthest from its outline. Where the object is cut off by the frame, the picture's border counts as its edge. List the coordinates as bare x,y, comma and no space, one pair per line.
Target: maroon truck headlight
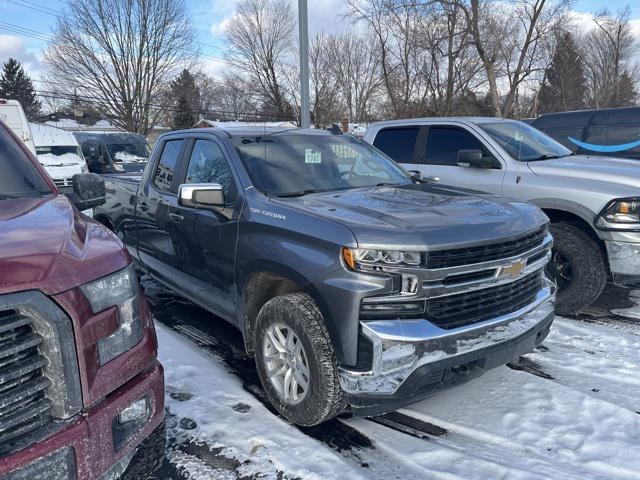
119,290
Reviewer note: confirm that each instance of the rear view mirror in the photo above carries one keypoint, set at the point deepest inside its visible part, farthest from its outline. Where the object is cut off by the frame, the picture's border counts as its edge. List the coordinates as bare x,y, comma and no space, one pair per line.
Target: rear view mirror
88,191
201,195
475,159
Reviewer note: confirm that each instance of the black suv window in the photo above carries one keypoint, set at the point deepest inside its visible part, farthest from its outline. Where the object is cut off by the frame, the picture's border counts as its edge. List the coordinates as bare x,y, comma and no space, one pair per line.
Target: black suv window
167,164
209,165
445,142
397,143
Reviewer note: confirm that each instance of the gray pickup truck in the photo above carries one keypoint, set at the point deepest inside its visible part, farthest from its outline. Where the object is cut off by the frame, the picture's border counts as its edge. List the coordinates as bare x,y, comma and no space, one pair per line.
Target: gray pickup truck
357,287
593,202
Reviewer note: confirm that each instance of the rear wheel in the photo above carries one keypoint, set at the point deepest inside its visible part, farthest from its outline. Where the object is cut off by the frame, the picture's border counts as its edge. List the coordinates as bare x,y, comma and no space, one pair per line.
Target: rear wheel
577,267
296,362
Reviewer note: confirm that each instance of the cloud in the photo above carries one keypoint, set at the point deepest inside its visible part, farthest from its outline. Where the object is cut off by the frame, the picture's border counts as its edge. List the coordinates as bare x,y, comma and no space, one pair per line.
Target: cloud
12,46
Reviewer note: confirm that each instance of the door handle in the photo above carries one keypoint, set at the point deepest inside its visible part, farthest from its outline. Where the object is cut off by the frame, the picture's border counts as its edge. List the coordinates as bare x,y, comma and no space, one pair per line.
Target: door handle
433,179
144,207
176,217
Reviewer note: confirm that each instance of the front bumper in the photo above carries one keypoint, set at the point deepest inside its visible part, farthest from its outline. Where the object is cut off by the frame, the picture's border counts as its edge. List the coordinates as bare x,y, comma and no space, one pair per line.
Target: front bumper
624,259
413,359
85,449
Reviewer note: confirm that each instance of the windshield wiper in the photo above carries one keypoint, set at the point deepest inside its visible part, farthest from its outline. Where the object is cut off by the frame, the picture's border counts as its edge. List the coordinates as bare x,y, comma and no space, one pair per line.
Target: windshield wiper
549,156
297,194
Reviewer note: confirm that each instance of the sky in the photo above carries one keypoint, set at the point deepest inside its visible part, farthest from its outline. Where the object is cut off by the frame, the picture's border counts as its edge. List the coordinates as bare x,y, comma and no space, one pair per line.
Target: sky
25,25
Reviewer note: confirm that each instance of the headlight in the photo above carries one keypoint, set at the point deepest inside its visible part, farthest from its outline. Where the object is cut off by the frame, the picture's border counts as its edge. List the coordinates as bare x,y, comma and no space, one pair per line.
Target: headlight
620,214
367,258
119,289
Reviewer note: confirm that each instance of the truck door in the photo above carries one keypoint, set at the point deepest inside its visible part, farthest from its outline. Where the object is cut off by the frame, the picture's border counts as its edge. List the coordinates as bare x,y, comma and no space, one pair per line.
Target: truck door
438,148
157,194
205,240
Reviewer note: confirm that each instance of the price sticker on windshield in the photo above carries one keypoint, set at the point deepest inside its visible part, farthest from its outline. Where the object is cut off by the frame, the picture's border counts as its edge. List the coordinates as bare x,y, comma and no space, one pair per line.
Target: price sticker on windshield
312,157
517,136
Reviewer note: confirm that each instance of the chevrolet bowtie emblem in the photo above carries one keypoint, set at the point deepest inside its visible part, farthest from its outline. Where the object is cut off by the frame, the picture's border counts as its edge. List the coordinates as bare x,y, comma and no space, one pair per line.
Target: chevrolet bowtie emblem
514,269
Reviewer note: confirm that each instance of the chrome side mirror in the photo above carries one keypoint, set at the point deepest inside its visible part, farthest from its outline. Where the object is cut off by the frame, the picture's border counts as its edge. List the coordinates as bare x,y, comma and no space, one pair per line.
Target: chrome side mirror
201,195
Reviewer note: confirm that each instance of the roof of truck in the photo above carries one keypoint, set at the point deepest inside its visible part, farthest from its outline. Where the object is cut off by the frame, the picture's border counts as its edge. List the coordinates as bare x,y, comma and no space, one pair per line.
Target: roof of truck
254,131
412,121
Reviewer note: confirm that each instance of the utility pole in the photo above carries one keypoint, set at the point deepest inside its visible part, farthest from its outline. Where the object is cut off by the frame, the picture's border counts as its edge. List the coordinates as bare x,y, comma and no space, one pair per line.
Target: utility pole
303,24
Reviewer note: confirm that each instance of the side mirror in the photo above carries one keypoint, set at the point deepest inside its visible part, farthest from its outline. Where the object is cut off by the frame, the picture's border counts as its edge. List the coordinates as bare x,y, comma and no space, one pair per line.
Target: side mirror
474,159
88,191
415,174
201,195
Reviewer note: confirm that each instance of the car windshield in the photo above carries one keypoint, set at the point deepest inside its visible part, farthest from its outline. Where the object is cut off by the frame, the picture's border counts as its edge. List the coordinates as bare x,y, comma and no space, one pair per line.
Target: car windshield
129,152
294,164
18,176
59,150
523,142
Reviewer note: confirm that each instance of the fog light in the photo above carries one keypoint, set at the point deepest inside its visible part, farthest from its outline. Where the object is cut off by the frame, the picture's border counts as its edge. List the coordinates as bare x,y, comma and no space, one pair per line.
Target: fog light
136,411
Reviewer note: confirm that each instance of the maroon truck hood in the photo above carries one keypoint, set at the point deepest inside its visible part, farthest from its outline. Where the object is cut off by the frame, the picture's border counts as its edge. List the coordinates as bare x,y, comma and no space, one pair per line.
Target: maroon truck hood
45,244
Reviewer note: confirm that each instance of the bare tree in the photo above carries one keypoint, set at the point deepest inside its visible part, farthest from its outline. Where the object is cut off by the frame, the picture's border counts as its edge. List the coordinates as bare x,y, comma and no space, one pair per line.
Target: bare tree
355,67
511,40
120,54
607,56
324,88
260,35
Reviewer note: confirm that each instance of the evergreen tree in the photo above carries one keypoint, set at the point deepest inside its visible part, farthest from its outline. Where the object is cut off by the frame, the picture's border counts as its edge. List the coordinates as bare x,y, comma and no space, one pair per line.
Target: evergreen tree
626,94
186,96
15,84
565,83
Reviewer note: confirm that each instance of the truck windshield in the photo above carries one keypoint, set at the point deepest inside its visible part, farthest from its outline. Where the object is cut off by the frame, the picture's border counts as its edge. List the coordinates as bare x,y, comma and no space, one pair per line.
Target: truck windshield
18,176
523,142
293,164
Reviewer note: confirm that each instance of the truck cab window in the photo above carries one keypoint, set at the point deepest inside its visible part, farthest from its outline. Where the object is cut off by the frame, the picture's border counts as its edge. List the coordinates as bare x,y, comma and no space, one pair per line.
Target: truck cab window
444,143
167,164
209,165
397,143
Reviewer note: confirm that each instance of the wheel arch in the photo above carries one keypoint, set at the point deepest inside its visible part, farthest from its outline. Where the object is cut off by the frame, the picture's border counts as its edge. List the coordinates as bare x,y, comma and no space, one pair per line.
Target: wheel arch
267,282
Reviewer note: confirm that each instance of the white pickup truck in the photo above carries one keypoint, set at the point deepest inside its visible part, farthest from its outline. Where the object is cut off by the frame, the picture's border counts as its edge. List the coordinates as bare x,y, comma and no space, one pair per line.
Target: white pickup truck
592,202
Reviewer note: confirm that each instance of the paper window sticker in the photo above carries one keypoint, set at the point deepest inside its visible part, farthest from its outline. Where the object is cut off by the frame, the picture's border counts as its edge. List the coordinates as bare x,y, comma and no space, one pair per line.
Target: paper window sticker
312,157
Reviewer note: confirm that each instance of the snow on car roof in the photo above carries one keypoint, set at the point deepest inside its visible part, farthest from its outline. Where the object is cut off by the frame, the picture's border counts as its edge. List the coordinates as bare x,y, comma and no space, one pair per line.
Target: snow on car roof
48,136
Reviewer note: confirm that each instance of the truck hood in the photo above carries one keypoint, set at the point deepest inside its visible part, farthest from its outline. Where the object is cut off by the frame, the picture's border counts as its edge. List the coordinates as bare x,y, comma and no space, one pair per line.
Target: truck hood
46,245
601,169
422,216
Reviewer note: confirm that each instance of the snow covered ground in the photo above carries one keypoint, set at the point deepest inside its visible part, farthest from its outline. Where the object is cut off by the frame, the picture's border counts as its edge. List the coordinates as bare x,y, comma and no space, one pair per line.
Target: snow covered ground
571,410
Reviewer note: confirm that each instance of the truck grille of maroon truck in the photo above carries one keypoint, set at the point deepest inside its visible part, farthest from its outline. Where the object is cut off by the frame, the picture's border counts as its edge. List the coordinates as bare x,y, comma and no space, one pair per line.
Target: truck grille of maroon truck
23,403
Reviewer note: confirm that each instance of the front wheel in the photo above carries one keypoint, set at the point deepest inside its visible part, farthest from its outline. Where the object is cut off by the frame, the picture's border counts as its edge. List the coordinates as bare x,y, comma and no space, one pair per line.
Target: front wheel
577,267
296,361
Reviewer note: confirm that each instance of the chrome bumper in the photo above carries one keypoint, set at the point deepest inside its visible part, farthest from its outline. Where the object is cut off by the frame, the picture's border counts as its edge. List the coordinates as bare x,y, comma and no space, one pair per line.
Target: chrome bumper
624,261
400,347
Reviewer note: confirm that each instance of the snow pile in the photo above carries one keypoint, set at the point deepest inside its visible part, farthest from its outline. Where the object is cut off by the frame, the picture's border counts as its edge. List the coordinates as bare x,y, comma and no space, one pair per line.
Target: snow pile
269,443
48,136
126,157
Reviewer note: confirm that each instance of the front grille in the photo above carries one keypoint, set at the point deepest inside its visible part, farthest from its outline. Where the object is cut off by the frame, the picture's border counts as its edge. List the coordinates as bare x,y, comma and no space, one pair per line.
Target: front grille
24,407
64,184
480,305
485,253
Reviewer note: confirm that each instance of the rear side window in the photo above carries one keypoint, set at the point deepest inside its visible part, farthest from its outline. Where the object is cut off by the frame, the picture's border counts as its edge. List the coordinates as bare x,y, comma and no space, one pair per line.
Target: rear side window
167,164
397,143
209,165
444,143
18,176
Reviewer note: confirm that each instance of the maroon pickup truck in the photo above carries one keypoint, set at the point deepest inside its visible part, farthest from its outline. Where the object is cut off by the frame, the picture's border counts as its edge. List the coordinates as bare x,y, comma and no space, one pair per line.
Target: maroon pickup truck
81,389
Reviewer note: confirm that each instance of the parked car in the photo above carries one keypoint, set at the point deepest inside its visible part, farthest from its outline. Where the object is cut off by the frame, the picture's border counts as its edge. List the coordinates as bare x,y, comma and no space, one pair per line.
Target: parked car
13,116
81,390
612,132
114,152
58,152
593,203
355,286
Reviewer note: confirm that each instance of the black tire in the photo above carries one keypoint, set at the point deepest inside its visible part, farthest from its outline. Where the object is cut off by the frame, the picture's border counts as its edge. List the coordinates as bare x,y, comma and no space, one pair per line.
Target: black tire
148,457
325,398
588,268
